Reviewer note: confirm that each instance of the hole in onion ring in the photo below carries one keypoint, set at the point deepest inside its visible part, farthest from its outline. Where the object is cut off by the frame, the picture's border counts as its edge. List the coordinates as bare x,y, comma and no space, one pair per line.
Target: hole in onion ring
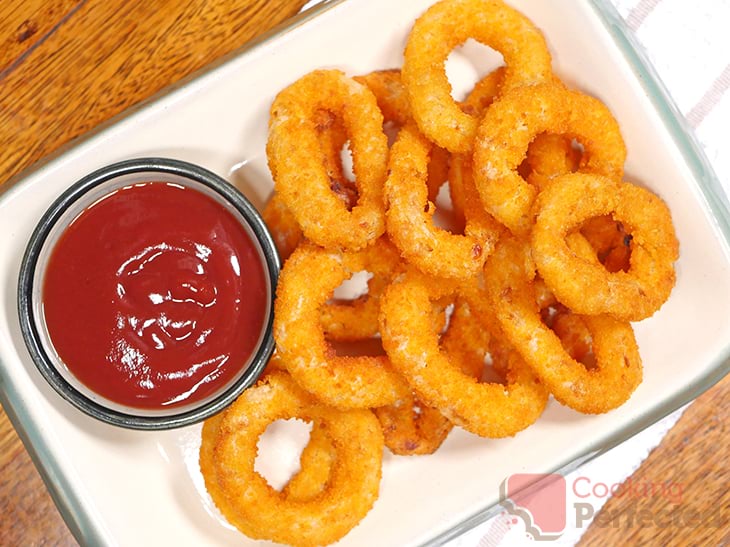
550,155
575,337
448,313
346,191
570,329
346,158
578,146
280,448
611,241
336,156
445,217
352,288
357,348
524,169
491,373
391,128
469,63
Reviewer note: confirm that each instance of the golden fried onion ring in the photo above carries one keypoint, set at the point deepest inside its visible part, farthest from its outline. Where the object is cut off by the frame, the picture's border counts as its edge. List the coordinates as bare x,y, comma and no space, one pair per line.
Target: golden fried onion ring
586,286
508,278
387,85
280,220
353,479
517,118
358,319
315,465
486,409
448,24
300,175
412,428
315,460
306,282
409,216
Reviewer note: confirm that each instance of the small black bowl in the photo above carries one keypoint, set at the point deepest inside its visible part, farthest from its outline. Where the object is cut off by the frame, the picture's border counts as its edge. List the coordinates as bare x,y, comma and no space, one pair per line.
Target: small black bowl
53,223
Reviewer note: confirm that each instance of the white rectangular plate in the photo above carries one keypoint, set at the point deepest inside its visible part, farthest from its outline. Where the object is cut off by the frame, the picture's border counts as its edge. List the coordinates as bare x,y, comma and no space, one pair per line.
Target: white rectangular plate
118,487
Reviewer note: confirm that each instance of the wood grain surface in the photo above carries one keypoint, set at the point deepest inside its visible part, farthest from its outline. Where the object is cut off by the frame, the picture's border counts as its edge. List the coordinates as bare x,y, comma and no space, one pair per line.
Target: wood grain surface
66,66
681,493
90,59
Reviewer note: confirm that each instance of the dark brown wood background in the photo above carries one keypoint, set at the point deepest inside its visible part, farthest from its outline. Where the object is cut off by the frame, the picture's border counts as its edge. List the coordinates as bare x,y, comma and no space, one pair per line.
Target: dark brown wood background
68,65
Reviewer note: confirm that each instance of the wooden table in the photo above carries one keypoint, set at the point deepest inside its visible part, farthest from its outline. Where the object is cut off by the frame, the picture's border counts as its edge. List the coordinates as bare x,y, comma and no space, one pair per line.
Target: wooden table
68,65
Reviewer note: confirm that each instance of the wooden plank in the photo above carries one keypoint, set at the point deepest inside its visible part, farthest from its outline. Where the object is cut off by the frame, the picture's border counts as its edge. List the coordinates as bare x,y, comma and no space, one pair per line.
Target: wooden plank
29,516
23,25
681,493
110,55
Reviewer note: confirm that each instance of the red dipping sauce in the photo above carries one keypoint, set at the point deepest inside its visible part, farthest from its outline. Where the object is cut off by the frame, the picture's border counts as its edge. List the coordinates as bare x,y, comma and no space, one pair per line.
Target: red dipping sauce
155,296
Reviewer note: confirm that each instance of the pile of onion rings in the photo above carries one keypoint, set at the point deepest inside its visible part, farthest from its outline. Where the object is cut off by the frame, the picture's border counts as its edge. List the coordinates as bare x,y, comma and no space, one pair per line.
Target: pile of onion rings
525,292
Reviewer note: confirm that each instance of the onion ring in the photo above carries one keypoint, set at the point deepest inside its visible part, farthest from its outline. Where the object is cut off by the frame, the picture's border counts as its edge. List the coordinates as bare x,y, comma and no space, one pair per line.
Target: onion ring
517,118
589,288
486,409
315,463
412,428
306,282
388,88
358,319
300,176
354,476
409,216
315,460
508,279
478,100
551,155
281,222
446,25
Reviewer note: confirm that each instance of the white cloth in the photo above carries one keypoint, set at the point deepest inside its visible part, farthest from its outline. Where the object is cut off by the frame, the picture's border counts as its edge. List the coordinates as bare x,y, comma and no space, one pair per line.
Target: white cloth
689,45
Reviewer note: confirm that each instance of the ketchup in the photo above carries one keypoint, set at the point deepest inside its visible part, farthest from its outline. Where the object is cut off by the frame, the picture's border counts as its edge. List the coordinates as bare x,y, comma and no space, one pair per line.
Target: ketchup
155,296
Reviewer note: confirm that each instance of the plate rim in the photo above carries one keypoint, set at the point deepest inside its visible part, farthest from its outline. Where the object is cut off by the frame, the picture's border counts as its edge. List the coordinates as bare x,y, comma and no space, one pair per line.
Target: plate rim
69,503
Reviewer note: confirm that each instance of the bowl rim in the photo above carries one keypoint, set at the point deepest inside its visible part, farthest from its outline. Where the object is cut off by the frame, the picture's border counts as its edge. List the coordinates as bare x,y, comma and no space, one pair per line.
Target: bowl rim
45,363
